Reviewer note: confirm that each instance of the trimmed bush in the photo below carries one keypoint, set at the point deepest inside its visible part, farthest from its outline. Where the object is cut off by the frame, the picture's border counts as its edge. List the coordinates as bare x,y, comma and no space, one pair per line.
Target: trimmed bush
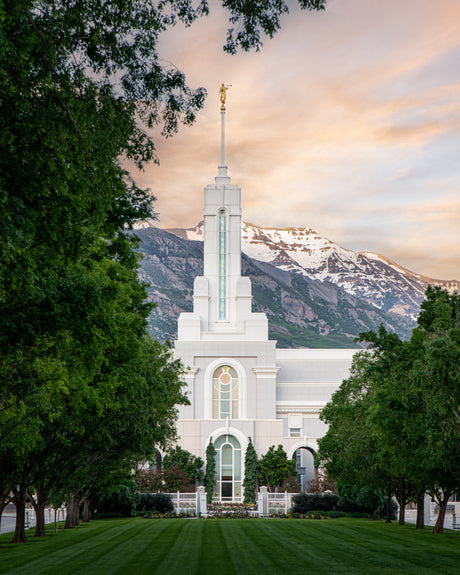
119,500
160,502
305,502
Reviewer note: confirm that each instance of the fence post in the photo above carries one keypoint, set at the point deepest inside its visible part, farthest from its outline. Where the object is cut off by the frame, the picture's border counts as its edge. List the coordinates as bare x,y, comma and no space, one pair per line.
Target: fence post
262,501
427,509
201,503
178,503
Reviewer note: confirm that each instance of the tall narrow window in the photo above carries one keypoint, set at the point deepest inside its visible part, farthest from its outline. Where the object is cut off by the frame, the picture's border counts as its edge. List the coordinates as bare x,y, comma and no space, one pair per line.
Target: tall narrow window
225,393
222,265
228,469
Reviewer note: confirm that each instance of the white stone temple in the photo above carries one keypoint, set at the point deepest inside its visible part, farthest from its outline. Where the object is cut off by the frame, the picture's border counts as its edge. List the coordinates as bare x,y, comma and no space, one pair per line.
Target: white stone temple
238,383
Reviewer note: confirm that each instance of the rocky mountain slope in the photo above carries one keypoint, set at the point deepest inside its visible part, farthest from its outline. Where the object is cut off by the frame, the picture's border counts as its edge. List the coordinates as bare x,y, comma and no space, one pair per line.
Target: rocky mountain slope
367,276
302,312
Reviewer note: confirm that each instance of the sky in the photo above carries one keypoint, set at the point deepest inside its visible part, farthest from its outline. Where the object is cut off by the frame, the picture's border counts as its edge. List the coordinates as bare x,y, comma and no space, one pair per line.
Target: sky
346,122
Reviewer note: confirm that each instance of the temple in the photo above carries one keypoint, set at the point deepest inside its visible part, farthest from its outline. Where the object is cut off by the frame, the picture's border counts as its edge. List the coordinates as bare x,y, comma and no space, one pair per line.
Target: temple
239,384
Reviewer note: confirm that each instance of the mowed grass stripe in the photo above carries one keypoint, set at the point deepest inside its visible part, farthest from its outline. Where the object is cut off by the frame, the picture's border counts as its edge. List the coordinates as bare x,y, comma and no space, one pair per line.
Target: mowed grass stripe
231,546
387,548
145,548
275,548
71,551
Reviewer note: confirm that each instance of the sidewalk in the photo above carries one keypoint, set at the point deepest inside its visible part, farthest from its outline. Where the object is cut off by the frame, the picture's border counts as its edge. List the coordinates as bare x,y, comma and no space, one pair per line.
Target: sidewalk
8,522
411,517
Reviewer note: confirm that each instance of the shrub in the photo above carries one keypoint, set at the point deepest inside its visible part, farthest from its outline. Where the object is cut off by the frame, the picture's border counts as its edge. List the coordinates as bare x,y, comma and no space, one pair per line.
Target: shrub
120,500
304,502
160,502
365,500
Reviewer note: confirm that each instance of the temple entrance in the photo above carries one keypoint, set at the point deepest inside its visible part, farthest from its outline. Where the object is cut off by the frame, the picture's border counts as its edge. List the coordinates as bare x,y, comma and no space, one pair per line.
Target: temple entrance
228,469
305,467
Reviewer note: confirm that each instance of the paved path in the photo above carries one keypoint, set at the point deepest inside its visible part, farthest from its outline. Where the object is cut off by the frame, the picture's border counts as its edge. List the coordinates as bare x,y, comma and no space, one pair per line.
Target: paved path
8,522
411,517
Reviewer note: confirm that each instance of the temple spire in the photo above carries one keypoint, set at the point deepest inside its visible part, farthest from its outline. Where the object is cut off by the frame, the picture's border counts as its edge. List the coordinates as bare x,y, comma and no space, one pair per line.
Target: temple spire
223,93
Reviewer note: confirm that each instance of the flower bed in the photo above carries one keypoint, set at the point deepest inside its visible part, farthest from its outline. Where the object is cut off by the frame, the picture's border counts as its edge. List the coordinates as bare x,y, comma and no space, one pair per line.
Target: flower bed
171,515
232,510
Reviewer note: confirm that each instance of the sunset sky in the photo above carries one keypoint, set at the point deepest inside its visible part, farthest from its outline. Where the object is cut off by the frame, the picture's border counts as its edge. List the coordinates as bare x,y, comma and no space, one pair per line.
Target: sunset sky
347,122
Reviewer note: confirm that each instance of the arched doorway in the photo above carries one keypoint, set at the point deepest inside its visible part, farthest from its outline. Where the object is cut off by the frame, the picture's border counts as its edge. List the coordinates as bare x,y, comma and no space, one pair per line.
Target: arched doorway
305,466
156,462
228,469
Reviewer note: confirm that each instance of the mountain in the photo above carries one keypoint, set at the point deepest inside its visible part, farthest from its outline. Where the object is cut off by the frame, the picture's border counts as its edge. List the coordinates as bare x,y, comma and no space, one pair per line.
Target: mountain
365,275
302,312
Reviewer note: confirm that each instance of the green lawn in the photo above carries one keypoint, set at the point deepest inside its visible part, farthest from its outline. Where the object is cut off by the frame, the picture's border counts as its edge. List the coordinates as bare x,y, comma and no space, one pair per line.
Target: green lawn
226,546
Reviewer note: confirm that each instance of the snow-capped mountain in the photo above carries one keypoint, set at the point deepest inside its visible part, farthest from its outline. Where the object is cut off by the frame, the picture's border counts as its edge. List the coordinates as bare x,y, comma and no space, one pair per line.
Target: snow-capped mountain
365,275
302,312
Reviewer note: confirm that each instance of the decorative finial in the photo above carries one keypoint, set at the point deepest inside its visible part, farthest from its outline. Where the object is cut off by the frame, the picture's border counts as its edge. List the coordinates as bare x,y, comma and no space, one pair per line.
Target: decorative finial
223,92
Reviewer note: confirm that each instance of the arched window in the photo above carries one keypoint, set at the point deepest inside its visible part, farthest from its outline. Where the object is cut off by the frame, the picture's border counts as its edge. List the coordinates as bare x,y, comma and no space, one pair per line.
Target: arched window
225,391
228,469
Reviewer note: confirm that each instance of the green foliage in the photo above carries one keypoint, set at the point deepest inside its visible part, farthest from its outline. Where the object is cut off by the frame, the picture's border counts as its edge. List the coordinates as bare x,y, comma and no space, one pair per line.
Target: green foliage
275,467
160,502
393,424
304,502
352,498
122,499
251,468
185,461
210,476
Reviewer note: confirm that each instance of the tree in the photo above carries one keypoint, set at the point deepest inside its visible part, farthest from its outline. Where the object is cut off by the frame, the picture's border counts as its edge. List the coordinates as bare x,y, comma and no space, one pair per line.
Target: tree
210,476
395,421
275,467
186,461
436,374
349,451
251,468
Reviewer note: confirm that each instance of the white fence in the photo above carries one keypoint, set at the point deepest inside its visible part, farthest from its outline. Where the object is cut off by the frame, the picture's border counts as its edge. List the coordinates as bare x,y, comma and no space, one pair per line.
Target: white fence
273,503
190,502
279,503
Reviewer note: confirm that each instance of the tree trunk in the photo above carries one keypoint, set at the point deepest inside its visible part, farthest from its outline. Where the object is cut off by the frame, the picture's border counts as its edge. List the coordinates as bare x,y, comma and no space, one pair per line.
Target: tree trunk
77,512
402,512
402,493
19,500
70,519
39,504
420,501
389,496
439,526
86,504
442,502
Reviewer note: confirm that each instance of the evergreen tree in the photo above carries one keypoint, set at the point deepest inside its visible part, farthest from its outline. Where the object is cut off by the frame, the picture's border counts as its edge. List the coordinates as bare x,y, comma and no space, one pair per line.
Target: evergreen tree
251,468
210,476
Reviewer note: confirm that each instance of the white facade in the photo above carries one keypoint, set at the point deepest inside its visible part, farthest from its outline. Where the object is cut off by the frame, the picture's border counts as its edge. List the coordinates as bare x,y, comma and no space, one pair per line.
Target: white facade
238,383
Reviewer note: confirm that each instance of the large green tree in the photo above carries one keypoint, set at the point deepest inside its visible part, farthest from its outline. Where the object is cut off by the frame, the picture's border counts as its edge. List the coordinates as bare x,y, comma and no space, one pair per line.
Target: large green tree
395,421
191,464
275,467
